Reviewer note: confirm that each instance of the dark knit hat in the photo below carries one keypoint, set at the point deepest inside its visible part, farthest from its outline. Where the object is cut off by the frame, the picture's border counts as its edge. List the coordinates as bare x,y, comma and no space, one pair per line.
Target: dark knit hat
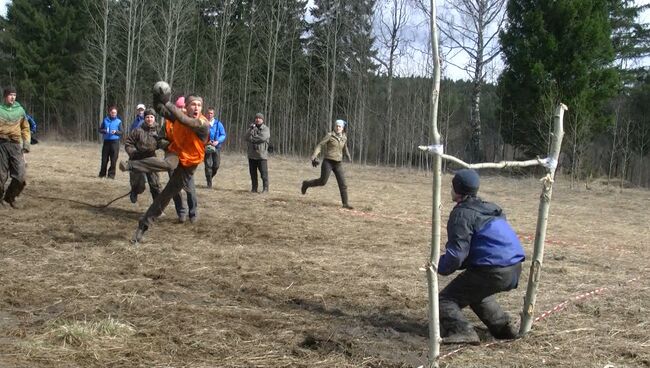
7,91
259,115
466,182
149,111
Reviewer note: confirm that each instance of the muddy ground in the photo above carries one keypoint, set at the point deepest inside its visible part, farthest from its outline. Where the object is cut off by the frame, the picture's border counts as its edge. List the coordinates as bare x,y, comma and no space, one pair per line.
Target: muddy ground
285,280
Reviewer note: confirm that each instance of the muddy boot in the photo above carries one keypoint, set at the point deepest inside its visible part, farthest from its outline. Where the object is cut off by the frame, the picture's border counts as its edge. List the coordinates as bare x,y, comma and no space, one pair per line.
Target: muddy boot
133,197
265,189
14,189
505,332
124,166
138,236
208,181
468,336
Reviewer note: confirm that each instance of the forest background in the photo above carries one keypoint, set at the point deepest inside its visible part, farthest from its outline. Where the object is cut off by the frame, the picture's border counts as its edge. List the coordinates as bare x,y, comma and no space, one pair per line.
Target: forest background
304,64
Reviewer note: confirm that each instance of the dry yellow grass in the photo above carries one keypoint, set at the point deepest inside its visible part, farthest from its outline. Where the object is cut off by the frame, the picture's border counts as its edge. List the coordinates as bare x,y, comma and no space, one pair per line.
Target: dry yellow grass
285,280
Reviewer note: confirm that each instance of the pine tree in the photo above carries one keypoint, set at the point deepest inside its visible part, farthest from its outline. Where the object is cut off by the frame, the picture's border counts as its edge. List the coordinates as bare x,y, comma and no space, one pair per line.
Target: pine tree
555,51
45,40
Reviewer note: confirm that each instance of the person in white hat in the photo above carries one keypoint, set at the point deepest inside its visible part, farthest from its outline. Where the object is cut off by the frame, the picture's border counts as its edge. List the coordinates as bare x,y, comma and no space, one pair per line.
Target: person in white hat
335,146
139,117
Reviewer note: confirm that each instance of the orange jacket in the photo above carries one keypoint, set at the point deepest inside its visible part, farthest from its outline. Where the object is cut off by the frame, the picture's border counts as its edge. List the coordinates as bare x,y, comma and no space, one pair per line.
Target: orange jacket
185,143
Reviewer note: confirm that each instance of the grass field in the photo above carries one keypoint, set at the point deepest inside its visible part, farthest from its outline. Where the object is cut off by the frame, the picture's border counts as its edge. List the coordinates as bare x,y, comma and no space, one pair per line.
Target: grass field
285,280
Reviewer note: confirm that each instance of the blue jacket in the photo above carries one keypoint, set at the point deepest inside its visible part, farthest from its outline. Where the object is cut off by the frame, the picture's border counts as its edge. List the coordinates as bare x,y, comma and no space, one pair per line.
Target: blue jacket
108,125
217,133
137,122
479,236
32,123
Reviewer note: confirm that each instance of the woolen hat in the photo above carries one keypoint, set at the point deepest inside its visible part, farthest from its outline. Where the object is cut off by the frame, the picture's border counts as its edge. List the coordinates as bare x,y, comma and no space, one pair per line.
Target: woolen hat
7,91
259,115
466,182
140,106
149,111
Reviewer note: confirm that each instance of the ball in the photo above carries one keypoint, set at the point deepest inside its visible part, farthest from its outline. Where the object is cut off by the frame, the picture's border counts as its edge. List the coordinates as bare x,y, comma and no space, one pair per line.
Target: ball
161,88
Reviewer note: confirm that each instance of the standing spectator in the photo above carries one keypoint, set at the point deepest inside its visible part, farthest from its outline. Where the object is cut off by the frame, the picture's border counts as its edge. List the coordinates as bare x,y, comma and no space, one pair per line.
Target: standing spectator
32,128
335,145
142,143
213,148
139,117
481,241
14,130
257,137
111,130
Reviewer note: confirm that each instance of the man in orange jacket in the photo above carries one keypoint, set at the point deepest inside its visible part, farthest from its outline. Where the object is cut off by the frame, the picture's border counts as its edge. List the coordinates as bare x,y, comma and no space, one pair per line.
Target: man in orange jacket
187,135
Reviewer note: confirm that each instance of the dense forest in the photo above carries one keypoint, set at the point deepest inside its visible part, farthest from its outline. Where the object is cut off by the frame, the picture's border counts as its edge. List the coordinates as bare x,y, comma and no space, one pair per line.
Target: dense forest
304,65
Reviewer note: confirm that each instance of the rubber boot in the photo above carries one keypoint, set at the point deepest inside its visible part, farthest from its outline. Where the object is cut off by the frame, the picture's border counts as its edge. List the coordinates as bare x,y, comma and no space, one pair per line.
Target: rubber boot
303,188
344,199
14,189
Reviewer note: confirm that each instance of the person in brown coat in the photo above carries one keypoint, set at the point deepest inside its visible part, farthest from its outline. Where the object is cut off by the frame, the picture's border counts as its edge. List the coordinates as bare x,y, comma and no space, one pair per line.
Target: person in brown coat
142,142
335,146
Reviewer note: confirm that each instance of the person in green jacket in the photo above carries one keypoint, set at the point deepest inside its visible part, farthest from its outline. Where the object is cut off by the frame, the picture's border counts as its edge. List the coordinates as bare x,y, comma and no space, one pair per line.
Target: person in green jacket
335,146
15,139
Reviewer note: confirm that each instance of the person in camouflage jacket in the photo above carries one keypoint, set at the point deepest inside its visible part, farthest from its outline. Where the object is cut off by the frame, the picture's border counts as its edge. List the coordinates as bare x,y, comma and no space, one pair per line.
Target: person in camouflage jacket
142,142
15,140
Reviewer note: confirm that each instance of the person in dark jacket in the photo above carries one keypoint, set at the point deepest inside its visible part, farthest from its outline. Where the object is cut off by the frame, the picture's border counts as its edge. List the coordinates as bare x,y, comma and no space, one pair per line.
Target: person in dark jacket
335,146
142,143
257,137
139,117
111,130
481,242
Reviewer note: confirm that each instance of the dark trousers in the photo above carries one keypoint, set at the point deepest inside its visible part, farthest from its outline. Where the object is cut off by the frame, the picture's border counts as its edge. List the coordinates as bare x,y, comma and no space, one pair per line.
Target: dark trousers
12,164
192,204
476,287
179,180
211,162
137,180
262,166
110,150
326,168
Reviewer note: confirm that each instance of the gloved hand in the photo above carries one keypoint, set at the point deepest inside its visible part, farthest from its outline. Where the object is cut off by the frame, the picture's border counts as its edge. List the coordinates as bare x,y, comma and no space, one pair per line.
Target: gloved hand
315,162
163,144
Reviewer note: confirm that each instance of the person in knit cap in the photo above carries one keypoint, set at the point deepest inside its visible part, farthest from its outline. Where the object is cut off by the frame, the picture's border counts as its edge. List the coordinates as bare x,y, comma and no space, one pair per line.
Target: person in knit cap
335,146
142,142
15,140
257,138
481,242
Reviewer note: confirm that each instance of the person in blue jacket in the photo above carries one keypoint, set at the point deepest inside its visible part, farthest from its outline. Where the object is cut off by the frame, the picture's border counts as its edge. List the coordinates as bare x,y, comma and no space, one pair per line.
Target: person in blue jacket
32,128
212,158
481,242
139,117
111,130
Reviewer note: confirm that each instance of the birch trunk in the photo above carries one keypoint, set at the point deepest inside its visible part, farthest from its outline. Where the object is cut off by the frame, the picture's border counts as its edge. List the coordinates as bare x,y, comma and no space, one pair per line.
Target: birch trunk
432,267
542,221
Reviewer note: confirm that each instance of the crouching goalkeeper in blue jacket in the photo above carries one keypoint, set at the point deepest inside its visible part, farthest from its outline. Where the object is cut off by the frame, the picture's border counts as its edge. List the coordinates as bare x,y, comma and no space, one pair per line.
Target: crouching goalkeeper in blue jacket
483,244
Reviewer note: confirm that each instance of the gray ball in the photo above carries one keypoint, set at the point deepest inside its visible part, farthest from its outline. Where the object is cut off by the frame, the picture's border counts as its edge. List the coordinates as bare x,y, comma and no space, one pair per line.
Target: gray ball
161,88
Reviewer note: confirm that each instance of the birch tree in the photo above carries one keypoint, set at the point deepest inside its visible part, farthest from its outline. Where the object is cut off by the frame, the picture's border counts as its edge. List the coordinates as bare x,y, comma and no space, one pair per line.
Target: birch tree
471,28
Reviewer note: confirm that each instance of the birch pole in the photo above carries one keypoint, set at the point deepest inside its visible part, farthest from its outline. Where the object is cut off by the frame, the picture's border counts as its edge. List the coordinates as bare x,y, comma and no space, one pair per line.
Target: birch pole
432,266
542,221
